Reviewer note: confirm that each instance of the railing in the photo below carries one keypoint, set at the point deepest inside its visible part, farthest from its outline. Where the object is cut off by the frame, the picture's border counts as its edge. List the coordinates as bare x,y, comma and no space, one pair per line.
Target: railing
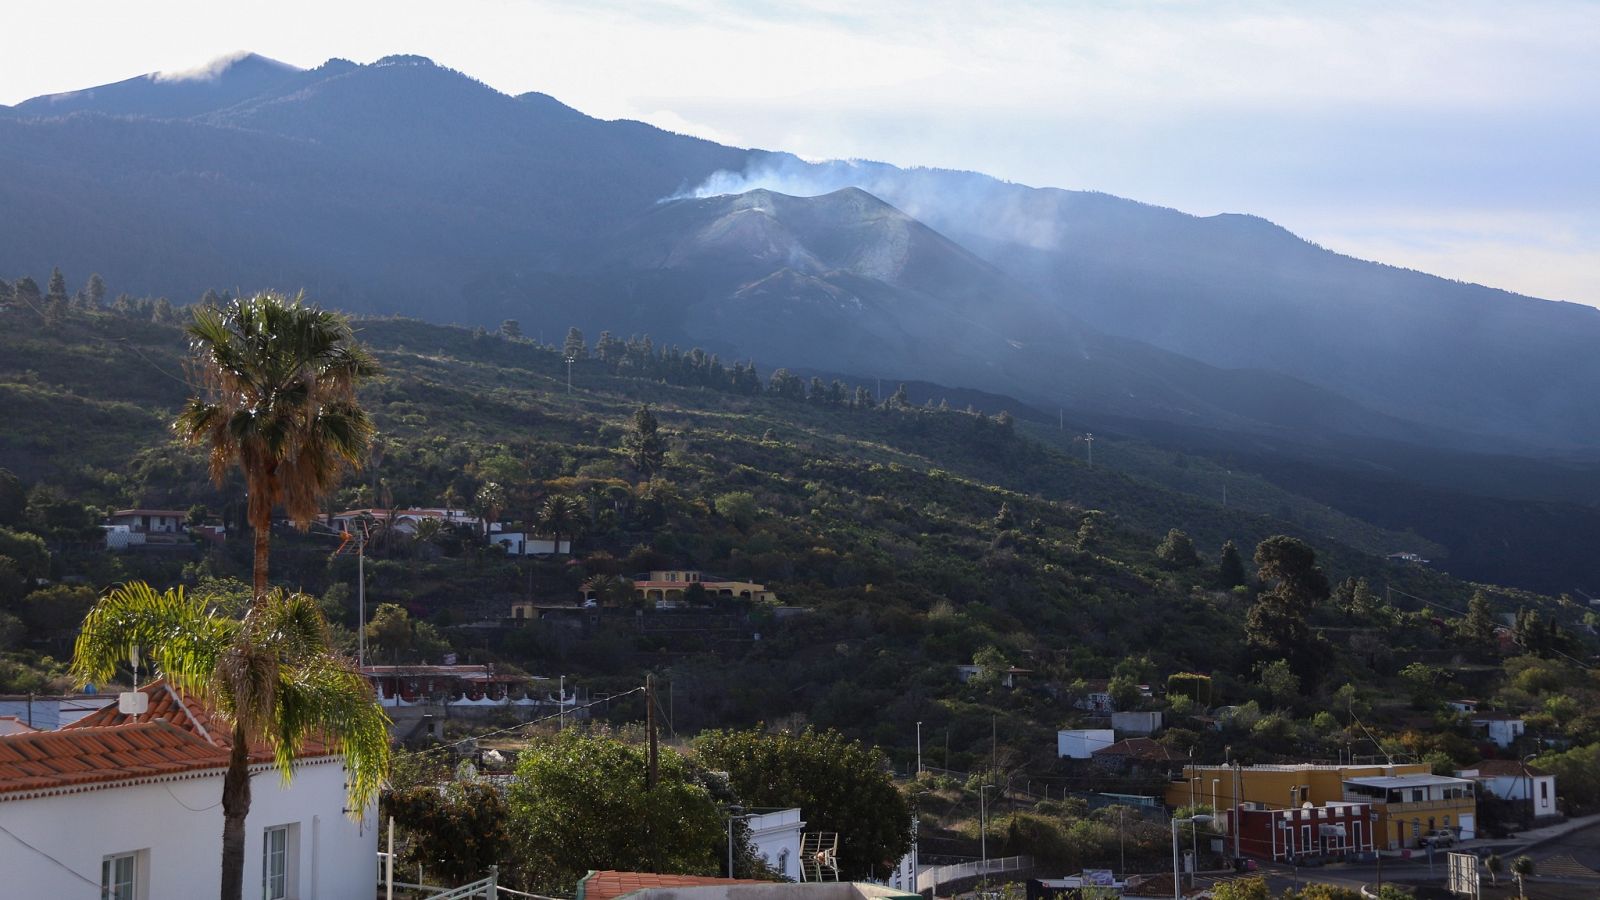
482,889
937,875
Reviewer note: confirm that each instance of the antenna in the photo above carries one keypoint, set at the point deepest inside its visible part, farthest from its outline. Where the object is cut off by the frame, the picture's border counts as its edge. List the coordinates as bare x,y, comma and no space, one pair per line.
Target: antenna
1088,439
819,856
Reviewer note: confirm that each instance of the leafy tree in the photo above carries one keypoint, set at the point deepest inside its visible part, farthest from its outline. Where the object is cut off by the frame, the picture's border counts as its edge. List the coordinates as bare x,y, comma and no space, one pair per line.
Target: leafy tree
643,443
992,665
561,514
900,399
580,802
455,833
842,785
55,611
13,498
272,677
277,398
1280,682
392,631
1230,567
1189,684
574,347
1090,531
611,590
511,328
1177,551
738,507
1495,865
1124,691
26,293
1004,520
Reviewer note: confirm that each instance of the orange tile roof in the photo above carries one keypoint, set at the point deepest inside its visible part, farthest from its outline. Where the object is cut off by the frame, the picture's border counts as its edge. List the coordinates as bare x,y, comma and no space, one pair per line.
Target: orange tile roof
1499,768
82,756
187,714
607,885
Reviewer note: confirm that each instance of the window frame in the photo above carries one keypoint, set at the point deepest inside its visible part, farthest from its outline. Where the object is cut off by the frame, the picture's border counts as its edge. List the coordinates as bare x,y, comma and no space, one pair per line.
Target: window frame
284,875
111,886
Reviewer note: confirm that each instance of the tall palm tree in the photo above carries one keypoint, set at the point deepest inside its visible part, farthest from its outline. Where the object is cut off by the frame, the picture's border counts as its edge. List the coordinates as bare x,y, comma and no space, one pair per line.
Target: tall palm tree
1522,868
560,515
276,395
272,676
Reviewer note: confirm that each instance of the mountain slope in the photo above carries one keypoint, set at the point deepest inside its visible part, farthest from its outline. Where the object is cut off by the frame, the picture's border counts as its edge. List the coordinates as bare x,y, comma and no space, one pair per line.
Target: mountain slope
404,187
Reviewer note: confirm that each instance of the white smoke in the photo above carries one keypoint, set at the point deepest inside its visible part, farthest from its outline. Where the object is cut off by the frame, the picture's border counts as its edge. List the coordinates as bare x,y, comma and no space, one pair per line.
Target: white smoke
210,71
955,203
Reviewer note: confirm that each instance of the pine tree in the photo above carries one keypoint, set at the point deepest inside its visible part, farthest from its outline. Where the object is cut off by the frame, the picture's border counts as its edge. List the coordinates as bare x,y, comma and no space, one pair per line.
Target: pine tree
95,291
1276,626
645,447
1004,520
574,347
511,328
1230,568
900,399
57,290
1478,625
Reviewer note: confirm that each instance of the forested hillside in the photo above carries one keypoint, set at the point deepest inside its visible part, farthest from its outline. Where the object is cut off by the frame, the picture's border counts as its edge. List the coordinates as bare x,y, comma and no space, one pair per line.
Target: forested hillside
902,539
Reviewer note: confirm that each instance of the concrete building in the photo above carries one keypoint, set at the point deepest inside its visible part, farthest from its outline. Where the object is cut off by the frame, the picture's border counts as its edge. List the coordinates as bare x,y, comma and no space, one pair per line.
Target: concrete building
775,835
1331,830
1409,799
1500,729
49,712
128,807
520,544
1081,743
1510,779
1139,723
667,588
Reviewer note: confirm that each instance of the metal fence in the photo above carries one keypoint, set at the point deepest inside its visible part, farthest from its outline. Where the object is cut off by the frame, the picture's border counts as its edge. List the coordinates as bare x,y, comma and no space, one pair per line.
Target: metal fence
934,876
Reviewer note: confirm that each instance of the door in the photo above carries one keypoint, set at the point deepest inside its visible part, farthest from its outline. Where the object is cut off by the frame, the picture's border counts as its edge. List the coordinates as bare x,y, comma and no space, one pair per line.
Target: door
1468,823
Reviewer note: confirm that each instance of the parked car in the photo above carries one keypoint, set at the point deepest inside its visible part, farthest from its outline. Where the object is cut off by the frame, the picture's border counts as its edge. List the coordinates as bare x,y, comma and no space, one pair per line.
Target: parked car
1439,838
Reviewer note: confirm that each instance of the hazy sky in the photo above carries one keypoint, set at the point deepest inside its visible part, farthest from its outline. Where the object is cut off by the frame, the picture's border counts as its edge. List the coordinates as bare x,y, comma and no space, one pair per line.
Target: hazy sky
1461,138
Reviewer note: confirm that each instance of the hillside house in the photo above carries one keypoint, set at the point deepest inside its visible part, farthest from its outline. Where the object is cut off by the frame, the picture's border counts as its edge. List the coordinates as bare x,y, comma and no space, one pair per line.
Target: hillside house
521,544
1139,756
130,528
1137,722
775,836
1334,829
1010,678
1096,696
1500,729
668,588
1081,743
129,805
1509,779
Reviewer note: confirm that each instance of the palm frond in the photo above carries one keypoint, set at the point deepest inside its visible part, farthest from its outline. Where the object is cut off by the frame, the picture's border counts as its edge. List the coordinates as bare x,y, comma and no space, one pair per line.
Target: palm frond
174,632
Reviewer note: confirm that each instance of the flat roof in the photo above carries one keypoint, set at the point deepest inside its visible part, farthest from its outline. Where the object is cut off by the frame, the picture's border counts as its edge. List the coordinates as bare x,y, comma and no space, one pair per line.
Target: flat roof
1405,781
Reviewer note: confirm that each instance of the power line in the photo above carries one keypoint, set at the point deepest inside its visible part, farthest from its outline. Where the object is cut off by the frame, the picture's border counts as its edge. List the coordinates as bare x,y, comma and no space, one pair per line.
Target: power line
71,871
521,725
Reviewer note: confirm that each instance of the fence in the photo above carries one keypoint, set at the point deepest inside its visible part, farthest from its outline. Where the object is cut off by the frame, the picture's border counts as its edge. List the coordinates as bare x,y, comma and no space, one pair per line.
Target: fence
937,875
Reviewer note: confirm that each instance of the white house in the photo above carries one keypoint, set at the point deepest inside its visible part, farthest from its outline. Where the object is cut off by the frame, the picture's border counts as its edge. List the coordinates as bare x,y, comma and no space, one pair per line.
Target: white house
775,835
405,520
1510,779
1137,722
149,521
1081,743
1502,729
518,544
128,808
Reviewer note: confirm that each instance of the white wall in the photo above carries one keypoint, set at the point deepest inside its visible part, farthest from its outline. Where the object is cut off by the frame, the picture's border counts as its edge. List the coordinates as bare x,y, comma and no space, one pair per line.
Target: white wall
178,825
776,838
1081,743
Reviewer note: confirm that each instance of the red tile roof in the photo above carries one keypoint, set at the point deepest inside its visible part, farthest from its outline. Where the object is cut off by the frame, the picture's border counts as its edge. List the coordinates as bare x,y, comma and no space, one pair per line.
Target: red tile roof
606,885
187,714
81,756
1495,768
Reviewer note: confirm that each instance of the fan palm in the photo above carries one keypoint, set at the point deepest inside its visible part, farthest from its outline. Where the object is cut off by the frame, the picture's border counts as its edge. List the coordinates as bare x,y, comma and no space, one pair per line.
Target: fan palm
272,676
276,383
560,515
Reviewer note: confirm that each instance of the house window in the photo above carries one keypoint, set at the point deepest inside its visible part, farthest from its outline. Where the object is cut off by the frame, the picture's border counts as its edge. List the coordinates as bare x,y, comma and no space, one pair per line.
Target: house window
118,876
275,864
1544,790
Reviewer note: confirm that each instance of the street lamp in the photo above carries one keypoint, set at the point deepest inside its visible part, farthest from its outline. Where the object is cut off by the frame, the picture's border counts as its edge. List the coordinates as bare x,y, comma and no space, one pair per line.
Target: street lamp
1177,870
735,813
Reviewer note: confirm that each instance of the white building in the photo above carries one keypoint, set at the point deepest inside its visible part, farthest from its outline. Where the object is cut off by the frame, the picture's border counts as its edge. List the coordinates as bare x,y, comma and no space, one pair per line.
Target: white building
1081,743
518,544
1510,779
129,808
775,835
405,520
1137,722
1502,729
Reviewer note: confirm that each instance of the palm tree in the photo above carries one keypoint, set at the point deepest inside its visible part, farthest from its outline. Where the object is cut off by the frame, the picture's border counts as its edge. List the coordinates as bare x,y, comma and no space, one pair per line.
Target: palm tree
276,383
1522,868
610,590
487,503
560,515
1495,865
272,676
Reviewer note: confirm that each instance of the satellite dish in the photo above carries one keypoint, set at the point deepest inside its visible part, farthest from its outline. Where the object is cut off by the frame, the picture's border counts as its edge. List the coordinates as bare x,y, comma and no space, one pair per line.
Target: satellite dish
133,703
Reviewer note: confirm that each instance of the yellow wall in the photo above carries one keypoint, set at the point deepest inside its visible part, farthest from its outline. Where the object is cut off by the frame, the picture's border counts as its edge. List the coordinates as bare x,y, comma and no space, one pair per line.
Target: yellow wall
1270,786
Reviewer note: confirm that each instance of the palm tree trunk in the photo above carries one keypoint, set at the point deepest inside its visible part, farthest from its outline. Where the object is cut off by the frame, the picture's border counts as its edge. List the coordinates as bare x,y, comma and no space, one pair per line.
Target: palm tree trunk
235,807
263,536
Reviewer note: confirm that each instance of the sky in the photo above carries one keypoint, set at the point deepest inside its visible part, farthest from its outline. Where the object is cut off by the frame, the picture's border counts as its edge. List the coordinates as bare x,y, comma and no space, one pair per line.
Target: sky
1461,138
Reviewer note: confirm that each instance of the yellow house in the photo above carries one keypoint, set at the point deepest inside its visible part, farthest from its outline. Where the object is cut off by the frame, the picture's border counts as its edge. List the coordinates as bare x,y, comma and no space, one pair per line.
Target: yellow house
1409,799
667,587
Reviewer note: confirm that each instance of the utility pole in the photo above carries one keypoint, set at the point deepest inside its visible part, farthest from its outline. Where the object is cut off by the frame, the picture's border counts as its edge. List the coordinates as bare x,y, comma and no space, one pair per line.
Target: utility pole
919,748
361,598
569,375
561,705
652,771
1088,440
